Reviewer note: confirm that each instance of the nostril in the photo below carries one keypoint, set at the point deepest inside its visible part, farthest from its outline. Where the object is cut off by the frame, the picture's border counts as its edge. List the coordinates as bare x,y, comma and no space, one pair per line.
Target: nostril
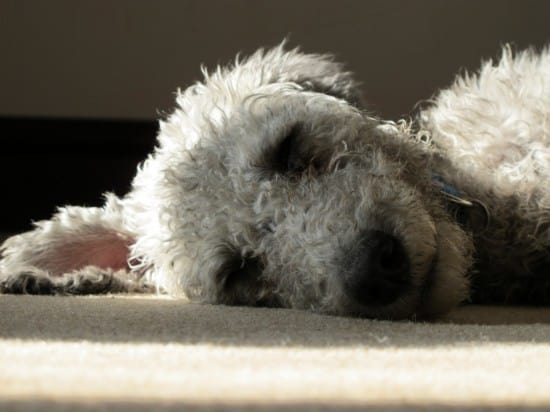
389,254
378,269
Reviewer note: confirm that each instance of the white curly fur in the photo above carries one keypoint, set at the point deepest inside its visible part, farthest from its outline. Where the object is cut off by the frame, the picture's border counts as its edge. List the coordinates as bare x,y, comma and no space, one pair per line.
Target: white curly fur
271,185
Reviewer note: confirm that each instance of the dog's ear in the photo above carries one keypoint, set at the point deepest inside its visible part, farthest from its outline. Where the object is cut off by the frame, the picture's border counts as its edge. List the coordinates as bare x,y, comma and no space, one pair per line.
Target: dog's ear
314,72
204,106
74,238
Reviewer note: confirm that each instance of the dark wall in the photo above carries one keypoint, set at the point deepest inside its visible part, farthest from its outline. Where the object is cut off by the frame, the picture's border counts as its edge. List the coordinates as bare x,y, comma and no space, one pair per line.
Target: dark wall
49,162
73,59
125,58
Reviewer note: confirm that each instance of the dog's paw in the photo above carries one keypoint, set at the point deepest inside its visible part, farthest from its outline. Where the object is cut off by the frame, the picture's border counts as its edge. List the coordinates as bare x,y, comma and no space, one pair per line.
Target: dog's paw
97,281
86,281
27,282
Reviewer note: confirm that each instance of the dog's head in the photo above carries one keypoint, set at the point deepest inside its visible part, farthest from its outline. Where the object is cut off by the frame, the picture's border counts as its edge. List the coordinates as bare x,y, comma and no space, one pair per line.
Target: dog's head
272,186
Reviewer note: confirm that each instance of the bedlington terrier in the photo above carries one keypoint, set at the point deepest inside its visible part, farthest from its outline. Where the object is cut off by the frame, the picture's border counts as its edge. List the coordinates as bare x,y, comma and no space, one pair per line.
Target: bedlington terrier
272,185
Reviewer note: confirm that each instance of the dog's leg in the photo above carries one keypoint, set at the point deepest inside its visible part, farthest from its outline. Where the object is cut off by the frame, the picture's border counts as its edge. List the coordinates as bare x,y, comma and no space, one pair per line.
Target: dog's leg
79,251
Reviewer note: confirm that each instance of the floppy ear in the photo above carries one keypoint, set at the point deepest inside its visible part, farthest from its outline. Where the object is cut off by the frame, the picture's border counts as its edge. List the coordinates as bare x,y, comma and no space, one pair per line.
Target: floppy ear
320,73
76,239
315,72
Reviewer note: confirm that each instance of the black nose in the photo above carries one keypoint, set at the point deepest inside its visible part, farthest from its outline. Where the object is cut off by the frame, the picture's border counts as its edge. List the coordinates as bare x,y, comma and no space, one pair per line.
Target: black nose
378,269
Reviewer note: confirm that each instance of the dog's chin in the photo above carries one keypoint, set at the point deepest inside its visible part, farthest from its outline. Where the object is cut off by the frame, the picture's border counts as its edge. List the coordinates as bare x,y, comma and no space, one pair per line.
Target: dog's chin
447,284
447,291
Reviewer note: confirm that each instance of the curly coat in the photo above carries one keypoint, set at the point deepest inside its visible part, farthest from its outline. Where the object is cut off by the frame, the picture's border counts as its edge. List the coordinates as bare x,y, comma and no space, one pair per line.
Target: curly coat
272,185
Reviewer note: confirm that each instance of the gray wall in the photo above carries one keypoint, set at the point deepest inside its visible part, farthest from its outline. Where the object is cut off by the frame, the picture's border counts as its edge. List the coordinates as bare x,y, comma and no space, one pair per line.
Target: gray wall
125,58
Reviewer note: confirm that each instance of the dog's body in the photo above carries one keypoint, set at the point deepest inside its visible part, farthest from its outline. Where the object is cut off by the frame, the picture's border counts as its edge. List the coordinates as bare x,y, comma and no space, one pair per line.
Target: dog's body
271,186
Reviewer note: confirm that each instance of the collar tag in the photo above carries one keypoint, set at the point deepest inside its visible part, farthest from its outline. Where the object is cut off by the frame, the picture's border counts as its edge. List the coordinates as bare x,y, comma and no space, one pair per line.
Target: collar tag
450,192
476,215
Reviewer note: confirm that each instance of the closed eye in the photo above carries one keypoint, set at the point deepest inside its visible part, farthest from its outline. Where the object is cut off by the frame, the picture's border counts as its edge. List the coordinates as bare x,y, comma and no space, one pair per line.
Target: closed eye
294,155
240,282
287,158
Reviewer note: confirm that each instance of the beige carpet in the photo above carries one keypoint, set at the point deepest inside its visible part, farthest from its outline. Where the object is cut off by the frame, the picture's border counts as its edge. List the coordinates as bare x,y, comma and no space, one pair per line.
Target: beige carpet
159,354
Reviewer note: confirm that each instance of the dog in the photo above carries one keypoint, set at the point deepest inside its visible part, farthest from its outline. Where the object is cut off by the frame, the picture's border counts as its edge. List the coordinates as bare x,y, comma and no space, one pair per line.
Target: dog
272,185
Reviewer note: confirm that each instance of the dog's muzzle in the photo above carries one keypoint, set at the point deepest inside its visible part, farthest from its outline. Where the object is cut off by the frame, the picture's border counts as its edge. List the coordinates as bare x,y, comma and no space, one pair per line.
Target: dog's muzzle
378,269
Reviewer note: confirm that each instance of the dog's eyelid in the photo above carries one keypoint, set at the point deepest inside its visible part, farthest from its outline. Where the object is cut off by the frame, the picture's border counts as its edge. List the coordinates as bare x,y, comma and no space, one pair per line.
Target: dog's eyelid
286,156
239,270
